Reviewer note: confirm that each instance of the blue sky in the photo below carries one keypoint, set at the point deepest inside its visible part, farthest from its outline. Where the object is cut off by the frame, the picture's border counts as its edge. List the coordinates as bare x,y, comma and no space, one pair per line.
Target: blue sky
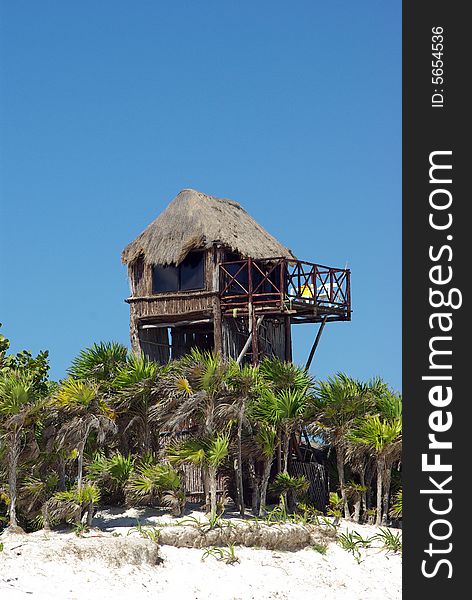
108,109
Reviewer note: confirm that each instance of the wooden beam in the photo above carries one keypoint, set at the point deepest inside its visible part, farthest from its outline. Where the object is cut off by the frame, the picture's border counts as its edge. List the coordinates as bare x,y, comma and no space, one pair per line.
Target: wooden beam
173,324
217,331
288,339
248,342
315,343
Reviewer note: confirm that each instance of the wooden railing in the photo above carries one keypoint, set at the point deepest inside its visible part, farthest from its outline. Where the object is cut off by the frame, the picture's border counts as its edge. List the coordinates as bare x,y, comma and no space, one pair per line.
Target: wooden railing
285,284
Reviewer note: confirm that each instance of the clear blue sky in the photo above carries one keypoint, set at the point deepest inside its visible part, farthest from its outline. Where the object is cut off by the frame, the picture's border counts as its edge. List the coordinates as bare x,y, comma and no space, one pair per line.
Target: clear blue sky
108,109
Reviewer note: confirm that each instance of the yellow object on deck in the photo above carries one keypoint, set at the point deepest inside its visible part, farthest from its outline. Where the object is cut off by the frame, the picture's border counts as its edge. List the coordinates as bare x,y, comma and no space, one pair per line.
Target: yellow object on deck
307,291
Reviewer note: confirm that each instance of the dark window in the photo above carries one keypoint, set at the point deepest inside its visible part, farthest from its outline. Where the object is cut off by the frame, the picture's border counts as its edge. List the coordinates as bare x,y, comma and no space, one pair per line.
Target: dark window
192,272
189,275
165,279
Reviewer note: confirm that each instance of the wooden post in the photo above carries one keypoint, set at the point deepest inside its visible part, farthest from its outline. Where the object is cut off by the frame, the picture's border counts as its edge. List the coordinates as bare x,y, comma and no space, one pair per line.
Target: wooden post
287,322
217,318
217,330
288,339
134,332
255,337
252,315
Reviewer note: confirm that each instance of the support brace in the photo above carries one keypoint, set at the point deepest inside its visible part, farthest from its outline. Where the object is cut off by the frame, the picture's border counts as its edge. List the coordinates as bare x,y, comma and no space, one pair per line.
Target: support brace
315,343
248,341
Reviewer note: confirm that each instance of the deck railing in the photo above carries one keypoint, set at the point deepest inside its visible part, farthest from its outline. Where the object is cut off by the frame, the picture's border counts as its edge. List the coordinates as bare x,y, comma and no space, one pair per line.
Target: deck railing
285,284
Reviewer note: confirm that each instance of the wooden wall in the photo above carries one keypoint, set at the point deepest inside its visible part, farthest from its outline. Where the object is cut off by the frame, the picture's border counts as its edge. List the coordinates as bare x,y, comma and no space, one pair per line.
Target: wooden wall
154,343
272,337
183,305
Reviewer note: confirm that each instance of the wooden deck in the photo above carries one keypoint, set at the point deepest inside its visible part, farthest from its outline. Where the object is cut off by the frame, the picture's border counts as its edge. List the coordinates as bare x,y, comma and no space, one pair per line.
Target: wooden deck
307,292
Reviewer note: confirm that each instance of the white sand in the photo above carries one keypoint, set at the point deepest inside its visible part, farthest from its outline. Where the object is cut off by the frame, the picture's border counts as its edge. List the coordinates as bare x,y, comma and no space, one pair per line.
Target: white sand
105,565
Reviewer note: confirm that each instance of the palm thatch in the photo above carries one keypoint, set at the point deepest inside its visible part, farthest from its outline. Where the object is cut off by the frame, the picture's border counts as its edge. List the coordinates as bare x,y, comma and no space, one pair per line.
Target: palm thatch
194,220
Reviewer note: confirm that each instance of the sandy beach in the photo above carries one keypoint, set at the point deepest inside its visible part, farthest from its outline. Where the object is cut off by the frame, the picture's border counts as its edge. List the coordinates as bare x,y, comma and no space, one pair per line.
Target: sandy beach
113,561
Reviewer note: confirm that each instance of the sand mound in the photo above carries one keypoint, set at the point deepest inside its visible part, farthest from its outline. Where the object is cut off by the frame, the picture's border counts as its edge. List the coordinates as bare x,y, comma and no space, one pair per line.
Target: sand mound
271,537
110,551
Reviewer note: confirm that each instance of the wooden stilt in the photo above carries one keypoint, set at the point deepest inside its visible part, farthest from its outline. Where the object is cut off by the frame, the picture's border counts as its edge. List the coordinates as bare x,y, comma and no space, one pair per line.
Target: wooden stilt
217,331
315,344
288,340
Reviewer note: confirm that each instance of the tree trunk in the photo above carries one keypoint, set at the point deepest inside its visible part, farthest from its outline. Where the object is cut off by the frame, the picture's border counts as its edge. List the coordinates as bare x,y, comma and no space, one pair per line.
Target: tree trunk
235,469
255,497
386,492
342,481
147,433
264,485
80,458
357,509
80,464
212,472
240,461
90,510
279,454
369,476
380,472
364,492
286,451
12,477
206,487
45,514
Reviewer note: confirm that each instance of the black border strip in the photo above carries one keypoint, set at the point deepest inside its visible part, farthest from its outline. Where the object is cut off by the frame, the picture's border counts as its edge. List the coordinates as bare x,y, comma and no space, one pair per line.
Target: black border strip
440,127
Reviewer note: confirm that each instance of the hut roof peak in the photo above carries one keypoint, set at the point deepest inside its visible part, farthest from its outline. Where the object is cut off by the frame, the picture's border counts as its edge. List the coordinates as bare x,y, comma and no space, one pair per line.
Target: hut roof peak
196,220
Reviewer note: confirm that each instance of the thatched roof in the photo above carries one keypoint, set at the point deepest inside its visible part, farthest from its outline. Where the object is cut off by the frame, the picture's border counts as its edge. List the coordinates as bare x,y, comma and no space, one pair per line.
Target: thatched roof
194,220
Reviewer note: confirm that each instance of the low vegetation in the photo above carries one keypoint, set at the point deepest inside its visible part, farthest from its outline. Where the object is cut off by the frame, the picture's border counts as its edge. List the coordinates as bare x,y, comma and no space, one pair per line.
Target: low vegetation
120,430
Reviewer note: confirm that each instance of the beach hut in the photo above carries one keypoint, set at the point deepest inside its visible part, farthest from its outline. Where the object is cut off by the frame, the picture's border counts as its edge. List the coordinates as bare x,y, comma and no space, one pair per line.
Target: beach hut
205,274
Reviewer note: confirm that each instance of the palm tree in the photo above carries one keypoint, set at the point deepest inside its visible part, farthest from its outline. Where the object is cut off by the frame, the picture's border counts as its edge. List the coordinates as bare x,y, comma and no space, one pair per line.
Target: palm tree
266,437
397,508
278,412
355,492
111,474
150,482
242,385
191,394
283,375
362,463
71,505
390,406
336,404
284,400
208,453
283,410
83,409
135,383
99,363
19,406
383,437
289,487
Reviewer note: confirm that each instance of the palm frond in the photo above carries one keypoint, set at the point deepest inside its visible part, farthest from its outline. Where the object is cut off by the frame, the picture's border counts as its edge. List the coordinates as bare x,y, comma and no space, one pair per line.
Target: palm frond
99,363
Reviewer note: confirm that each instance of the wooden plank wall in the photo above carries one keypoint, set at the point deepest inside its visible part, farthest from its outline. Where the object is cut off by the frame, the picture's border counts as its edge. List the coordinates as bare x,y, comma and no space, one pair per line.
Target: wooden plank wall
272,337
154,344
232,337
183,305
193,483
